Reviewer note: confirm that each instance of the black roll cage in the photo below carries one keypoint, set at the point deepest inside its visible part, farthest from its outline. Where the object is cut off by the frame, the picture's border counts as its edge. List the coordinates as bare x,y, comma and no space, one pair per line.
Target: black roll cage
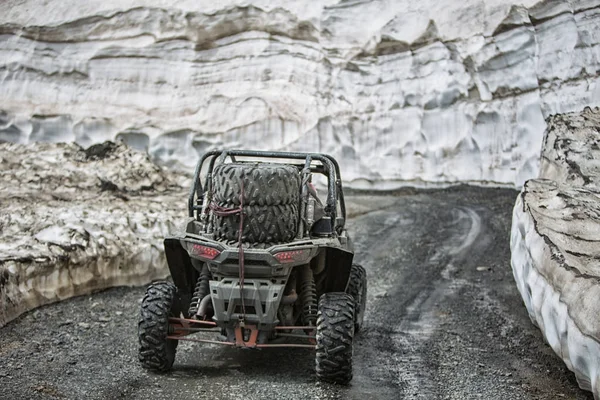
329,167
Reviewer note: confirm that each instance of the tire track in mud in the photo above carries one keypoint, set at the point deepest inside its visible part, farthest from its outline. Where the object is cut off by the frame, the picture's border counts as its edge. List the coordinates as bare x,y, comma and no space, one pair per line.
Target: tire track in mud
421,320
406,312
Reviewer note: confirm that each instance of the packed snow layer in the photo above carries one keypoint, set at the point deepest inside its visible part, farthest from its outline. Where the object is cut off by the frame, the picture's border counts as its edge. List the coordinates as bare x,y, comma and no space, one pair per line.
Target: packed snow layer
559,285
555,244
74,221
400,91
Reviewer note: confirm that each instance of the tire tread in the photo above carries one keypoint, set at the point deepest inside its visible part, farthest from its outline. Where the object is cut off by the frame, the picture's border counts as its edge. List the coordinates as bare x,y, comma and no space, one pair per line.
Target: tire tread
335,334
357,288
156,352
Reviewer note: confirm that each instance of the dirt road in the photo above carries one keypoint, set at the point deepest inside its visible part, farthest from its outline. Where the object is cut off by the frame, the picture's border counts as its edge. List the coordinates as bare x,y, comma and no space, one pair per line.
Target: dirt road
444,321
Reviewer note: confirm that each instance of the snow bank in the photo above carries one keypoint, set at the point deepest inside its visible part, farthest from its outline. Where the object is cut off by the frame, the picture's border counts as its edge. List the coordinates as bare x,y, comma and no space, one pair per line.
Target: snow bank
400,92
73,221
555,244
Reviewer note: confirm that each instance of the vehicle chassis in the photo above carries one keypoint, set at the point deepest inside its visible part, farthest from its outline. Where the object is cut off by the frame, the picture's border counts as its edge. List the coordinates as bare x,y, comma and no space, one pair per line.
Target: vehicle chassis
254,331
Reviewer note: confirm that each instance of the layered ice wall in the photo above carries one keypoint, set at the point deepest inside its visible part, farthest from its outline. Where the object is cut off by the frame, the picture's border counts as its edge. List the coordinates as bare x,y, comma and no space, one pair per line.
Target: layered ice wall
555,244
401,92
73,221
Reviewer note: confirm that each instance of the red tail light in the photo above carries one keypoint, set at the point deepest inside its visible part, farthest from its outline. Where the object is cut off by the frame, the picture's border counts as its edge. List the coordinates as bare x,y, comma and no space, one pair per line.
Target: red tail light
204,251
292,256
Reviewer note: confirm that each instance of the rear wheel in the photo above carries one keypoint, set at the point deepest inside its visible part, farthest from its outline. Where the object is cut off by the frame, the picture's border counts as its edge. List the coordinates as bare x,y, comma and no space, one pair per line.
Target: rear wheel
335,333
357,288
157,353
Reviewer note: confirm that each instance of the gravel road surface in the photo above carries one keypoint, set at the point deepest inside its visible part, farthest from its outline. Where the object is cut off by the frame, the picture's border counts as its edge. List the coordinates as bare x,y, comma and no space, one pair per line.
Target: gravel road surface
444,321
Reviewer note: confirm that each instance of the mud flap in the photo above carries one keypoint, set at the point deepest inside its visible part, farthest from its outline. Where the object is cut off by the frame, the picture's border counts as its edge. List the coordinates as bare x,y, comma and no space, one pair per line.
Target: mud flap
182,271
338,264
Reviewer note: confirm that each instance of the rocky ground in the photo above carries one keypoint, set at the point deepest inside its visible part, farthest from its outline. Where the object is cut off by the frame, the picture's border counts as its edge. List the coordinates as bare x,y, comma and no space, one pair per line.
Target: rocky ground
444,321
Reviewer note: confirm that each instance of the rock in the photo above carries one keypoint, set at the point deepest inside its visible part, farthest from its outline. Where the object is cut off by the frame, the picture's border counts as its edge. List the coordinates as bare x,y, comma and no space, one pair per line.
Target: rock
424,94
555,244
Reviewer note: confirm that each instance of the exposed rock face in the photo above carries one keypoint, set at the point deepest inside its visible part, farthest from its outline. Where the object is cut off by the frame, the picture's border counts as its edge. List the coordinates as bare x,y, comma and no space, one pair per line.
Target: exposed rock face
399,91
555,244
73,221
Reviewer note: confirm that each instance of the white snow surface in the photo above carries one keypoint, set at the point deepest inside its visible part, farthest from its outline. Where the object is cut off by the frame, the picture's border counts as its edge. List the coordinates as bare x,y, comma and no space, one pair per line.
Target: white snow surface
555,244
72,222
400,92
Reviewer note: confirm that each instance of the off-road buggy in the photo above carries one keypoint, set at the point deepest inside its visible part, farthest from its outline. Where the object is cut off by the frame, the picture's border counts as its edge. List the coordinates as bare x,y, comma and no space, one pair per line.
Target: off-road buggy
257,251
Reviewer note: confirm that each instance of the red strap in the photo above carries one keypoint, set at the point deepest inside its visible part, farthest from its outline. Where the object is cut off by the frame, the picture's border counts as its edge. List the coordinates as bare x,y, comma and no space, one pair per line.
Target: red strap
226,212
